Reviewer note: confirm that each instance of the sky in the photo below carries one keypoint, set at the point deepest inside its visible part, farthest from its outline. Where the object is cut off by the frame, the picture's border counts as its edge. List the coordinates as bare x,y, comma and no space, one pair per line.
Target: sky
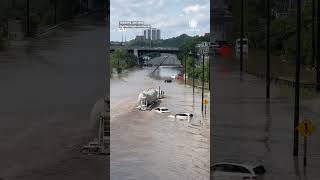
172,17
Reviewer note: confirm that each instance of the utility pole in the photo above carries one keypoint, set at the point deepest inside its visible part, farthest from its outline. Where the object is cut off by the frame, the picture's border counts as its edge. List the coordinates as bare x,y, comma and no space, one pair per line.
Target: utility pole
313,32
318,54
241,38
55,11
209,71
297,84
28,17
202,97
193,64
185,70
268,50
87,5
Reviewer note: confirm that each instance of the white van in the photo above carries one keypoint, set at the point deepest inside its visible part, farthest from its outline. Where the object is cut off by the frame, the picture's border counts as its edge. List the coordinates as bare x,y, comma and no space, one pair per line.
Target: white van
245,45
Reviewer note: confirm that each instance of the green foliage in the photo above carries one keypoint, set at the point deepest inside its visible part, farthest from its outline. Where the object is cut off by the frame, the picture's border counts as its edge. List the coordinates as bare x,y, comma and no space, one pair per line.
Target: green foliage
171,42
121,60
283,31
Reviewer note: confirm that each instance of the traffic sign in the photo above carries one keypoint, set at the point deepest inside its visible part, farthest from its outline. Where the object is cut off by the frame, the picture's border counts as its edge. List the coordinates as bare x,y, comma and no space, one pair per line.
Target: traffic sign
306,128
205,102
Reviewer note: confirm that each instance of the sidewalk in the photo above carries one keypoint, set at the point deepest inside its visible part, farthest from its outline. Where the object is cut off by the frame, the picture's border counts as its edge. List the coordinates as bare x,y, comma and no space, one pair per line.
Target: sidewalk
245,127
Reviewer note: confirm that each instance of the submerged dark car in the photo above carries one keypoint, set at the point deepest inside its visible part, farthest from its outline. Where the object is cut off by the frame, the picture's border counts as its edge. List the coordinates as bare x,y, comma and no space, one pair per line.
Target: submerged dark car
168,81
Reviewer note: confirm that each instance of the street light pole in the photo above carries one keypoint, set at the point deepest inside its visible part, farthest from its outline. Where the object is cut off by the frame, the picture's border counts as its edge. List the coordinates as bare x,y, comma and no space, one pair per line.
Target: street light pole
28,17
209,73
241,38
268,50
202,97
55,11
313,32
185,70
318,54
297,84
193,64
87,5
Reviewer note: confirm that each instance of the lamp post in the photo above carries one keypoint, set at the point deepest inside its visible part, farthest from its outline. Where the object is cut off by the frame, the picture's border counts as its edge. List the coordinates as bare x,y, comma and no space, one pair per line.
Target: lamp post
191,55
202,93
297,83
28,17
318,54
185,70
268,50
55,11
241,38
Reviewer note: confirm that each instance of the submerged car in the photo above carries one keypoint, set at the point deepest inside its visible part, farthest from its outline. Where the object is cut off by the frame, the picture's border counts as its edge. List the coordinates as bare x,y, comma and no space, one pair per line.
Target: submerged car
162,110
173,76
235,171
168,81
183,116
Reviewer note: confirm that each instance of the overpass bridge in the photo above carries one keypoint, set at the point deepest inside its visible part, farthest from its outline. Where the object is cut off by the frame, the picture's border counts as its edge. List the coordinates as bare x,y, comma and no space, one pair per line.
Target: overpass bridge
140,51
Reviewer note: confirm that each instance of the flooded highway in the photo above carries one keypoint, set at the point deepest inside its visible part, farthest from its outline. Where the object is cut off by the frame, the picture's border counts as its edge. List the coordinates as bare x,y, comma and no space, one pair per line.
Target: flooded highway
147,145
248,129
49,88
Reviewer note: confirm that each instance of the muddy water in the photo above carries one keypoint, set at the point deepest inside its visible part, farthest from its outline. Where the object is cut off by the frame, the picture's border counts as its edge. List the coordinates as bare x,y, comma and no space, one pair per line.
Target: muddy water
148,145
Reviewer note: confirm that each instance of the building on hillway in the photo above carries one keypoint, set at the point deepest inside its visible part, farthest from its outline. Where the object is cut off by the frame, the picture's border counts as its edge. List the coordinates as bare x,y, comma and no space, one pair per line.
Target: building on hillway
147,34
158,34
140,38
153,34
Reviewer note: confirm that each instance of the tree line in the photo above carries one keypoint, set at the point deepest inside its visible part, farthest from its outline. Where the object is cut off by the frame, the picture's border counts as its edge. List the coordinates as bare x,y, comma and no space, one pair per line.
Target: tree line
283,29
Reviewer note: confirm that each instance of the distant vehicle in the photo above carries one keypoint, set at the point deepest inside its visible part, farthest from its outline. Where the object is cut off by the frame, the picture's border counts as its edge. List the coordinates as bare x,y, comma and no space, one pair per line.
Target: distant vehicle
183,116
173,76
168,81
245,45
235,171
162,110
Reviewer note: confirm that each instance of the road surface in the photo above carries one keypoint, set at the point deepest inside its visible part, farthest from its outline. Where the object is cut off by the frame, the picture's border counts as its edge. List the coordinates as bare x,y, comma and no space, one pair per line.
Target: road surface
49,88
246,128
148,145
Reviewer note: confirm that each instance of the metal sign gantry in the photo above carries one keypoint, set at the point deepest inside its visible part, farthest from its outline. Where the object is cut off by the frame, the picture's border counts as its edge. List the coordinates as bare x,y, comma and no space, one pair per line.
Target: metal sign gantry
123,25
133,24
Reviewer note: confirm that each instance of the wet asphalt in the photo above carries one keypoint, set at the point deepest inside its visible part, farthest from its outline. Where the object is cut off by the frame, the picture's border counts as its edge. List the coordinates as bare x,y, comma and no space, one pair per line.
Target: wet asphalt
148,145
49,87
246,128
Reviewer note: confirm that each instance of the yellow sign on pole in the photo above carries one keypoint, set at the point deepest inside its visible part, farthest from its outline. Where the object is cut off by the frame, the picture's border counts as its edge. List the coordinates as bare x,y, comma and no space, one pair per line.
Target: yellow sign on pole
306,128
205,102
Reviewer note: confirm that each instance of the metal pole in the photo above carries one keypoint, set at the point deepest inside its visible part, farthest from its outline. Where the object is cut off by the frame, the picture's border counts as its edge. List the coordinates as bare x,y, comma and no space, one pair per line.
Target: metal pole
185,70
241,38
202,82
55,11
318,54
28,17
87,5
193,64
313,32
209,72
305,148
297,84
268,50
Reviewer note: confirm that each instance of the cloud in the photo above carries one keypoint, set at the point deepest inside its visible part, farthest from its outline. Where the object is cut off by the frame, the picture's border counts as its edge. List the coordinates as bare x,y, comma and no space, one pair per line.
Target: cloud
193,8
171,16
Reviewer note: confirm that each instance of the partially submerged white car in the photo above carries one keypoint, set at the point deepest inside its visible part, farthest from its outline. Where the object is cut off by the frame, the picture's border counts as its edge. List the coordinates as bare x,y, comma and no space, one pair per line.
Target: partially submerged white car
235,171
183,116
162,110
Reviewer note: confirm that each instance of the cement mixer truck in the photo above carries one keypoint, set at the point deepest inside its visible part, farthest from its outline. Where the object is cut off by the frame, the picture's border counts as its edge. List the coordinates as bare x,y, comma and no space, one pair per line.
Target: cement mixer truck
148,97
